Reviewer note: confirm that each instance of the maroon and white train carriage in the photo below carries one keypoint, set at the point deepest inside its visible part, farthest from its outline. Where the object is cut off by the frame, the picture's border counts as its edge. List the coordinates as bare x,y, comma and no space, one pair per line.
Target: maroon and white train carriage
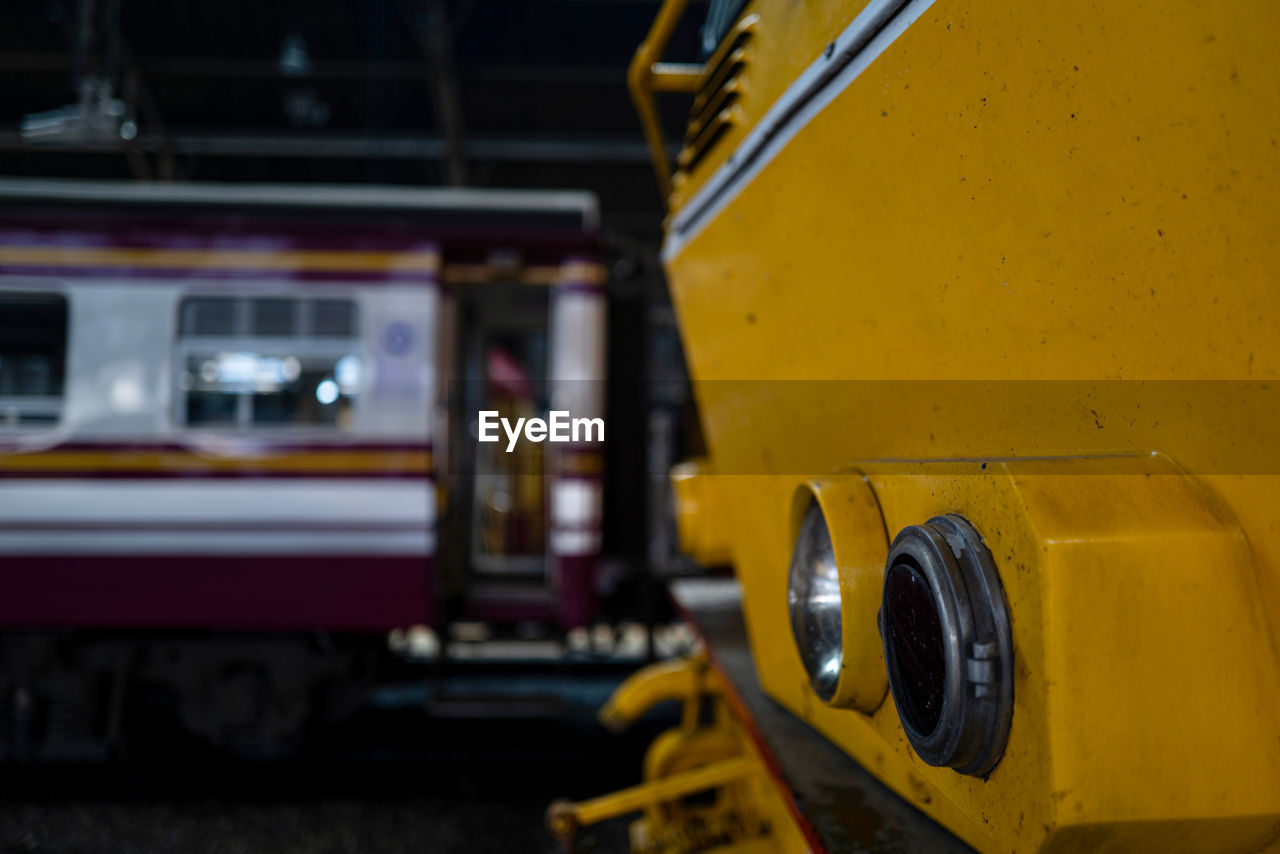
218,412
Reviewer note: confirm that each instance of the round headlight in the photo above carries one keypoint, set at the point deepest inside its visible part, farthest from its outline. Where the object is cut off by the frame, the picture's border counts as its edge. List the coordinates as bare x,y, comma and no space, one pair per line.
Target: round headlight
914,632
947,645
813,596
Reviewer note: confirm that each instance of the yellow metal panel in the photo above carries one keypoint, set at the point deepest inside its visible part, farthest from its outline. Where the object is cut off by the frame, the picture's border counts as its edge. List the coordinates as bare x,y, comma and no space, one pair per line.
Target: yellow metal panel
701,524
1147,688
1019,194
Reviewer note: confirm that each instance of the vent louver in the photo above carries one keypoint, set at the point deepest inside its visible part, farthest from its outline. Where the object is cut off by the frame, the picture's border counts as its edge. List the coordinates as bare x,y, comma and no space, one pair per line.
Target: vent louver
717,107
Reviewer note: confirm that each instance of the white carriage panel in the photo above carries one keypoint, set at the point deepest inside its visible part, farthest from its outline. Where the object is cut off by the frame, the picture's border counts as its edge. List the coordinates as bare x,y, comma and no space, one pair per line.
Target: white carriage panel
399,328
577,363
55,516
119,381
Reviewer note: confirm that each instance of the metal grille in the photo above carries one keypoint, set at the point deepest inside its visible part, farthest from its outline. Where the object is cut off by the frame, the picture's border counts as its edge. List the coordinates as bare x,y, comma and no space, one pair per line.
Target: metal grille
716,108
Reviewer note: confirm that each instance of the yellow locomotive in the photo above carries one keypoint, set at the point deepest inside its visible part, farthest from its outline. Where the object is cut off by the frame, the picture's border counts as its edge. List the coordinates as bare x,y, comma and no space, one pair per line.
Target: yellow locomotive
981,302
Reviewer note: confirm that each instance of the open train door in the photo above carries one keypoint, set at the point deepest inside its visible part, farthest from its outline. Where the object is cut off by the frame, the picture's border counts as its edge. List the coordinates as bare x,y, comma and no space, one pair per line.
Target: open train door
527,341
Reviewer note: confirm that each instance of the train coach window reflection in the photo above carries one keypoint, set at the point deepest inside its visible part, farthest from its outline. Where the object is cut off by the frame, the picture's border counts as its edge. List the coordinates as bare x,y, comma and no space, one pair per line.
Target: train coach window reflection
333,318
275,316
267,362
33,353
209,316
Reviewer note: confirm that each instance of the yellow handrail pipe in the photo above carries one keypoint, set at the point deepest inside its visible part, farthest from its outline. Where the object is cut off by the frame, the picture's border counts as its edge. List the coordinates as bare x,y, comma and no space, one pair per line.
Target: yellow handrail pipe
564,817
648,74
654,684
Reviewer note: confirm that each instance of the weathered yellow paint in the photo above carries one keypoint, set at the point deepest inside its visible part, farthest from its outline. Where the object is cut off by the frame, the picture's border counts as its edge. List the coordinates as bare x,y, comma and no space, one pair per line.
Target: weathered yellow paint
702,527
1024,269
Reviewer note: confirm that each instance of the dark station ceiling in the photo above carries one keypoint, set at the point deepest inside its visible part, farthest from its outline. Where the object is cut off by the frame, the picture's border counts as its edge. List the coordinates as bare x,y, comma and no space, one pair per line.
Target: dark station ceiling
487,93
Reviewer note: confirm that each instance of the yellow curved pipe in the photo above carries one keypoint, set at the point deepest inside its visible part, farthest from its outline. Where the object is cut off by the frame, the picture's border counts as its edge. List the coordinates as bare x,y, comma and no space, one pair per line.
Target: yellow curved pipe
651,685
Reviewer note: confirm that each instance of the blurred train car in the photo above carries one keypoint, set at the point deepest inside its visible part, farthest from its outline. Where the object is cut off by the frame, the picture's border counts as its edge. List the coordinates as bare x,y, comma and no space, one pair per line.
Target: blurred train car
224,414
980,303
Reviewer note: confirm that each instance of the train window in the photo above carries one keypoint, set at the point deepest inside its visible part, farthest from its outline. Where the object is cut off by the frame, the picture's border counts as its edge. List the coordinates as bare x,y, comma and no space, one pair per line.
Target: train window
304,403
334,318
209,316
267,362
275,316
33,355
211,407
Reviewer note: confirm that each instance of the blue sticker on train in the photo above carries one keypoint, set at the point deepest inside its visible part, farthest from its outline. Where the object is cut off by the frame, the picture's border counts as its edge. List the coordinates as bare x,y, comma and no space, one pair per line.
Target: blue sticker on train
397,339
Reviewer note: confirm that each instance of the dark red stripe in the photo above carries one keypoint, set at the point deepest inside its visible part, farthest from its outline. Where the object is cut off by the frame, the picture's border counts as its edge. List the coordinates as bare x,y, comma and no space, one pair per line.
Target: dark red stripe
195,474
576,579
243,444
505,612
231,526
222,275
266,593
218,240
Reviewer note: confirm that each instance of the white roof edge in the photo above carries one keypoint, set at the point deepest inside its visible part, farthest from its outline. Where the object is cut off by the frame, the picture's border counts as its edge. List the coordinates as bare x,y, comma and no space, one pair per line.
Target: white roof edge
305,195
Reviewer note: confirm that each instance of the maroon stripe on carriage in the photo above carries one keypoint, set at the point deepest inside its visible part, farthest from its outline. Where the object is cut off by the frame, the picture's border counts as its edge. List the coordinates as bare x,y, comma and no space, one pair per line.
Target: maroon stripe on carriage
202,474
262,593
203,274
261,238
241,444
230,526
